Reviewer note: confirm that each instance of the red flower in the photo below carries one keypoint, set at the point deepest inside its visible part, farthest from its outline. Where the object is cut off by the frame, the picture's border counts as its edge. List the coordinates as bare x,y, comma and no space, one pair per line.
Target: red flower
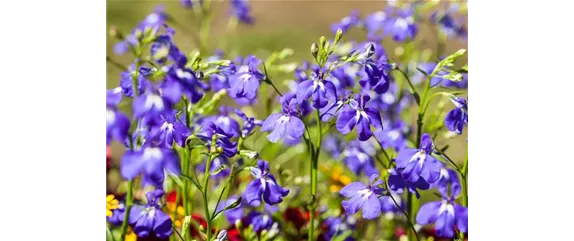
233,233
296,216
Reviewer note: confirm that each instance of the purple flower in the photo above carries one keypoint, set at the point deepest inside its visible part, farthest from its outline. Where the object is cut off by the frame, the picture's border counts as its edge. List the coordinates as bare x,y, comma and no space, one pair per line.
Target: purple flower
286,123
448,178
335,226
216,164
393,135
117,124
249,123
153,21
150,107
428,68
190,3
403,26
245,82
457,117
344,77
333,145
389,206
417,163
181,80
357,114
263,184
320,90
222,138
260,221
241,11
448,23
151,161
378,76
150,219
220,80
364,196
357,155
233,214
118,215
347,22
374,23
172,129
163,48
223,120
446,215
126,80
398,184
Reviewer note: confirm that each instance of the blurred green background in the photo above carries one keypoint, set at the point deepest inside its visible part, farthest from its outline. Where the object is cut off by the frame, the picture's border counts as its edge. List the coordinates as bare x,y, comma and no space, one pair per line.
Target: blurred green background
278,25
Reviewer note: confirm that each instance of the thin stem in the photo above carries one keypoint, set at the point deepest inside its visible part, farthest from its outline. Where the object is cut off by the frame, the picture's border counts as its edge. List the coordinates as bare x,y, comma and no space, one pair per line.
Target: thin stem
313,170
204,192
116,64
464,175
129,200
411,86
404,213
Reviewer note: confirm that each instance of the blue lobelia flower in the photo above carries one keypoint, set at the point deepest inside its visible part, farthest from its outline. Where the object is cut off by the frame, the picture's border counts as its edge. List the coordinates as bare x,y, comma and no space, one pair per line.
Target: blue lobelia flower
358,156
150,219
286,123
397,183
222,138
154,21
170,130
223,120
364,196
388,206
322,91
241,11
263,184
150,106
249,123
403,26
375,22
446,215
393,135
181,80
245,82
417,163
347,22
356,113
335,226
378,74
126,80
448,23
344,77
333,145
117,124
151,161
232,214
457,117
163,48
448,178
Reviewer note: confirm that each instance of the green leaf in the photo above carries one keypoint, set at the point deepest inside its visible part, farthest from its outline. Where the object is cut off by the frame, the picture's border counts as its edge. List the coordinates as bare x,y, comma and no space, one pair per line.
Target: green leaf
249,154
453,76
448,61
285,53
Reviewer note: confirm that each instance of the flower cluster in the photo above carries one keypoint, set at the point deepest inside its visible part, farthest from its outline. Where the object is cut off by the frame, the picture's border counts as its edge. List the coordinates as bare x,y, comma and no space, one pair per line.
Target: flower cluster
218,147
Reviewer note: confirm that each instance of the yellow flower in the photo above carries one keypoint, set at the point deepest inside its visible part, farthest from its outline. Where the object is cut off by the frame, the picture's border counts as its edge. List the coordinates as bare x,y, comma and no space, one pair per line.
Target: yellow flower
337,178
111,204
130,235
170,209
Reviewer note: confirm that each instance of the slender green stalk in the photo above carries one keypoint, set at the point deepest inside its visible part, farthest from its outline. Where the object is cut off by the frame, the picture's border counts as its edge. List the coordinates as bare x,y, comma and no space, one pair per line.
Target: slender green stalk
313,170
129,200
464,175
204,192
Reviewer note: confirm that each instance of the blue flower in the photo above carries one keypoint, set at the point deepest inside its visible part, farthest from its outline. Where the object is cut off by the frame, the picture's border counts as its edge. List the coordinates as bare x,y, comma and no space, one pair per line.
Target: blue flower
245,82
358,156
457,117
215,165
222,140
117,124
393,135
150,219
223,120
388,206
126,80
181,80
263,184
286,123
417,163
151,161
356,113
153,21
336,226
446,215
448,178
163,48
364,196
321,90
347,22
233,214
333,145
150,107
170,130
378,74
403,25
397,183
249,123
448,23
241,11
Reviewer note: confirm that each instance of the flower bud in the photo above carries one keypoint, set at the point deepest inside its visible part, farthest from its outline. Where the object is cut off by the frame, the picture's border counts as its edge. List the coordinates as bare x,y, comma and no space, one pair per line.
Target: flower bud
314,50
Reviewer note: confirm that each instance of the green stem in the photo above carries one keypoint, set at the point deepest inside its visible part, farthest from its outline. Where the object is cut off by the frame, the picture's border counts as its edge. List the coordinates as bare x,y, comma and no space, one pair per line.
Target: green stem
404,213
313,170
464,175
204,192
129,200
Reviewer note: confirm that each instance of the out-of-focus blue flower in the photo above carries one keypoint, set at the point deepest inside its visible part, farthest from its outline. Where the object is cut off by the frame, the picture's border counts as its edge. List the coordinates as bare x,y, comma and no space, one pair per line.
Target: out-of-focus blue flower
163,48
117,124
397,183
417,163
403,25
457,117
240,10
150,219
118,215
364,196
126,80
233,214
389,206
222,138
223,120
356,113
344,77
446,215
153,21
393,135
245,82
448,178
216,164
448,22
264,185
358,156
322,91
333,145
151,161
249,123
286,123
190,3
181,80
335,226
347,22
150,107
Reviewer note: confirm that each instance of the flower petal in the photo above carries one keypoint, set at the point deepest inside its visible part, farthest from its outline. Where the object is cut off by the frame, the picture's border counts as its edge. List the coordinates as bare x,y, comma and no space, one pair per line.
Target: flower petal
352,188
371,207
428,213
